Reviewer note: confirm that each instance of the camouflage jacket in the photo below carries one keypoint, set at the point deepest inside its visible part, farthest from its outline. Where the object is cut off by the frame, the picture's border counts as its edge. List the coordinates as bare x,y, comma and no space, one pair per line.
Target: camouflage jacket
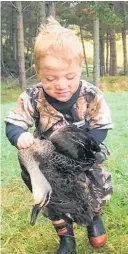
32,108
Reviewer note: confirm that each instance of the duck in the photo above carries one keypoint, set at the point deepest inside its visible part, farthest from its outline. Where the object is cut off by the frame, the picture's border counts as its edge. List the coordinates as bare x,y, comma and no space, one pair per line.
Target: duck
60,168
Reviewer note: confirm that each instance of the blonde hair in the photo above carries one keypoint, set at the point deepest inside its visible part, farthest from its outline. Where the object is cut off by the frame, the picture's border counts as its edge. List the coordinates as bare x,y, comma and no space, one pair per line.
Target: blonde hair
55,40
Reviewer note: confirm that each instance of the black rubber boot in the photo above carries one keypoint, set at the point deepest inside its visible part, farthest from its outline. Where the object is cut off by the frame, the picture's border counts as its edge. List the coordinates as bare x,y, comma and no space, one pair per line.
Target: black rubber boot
67,240
97,233
67,245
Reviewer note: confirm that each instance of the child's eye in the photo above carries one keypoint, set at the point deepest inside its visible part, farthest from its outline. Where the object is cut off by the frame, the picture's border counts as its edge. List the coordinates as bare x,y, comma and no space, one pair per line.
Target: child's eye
70,78
50,79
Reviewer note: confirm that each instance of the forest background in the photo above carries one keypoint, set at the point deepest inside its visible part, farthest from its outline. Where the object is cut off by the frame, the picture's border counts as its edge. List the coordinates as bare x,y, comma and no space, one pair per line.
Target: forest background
102,28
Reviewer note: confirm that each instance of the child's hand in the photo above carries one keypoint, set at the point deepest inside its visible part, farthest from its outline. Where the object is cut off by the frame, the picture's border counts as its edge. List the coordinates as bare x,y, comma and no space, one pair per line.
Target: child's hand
25,140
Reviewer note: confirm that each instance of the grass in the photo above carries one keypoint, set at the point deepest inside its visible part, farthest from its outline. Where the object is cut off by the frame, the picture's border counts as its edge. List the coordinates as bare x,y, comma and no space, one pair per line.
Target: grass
19,237
10,89
114,84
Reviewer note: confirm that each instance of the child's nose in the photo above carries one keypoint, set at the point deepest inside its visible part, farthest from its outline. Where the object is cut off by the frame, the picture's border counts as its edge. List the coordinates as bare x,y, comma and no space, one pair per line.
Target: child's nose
61,83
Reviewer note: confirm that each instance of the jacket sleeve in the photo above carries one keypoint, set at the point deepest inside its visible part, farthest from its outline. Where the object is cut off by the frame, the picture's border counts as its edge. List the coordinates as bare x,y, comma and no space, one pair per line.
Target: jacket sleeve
23,115
99,115
13,132
98,135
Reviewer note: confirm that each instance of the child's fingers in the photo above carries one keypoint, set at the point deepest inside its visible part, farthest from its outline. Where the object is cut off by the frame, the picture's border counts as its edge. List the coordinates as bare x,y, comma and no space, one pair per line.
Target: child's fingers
25,140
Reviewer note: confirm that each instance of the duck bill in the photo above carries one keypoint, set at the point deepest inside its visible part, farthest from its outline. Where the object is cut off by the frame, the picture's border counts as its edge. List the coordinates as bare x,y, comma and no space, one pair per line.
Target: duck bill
35,210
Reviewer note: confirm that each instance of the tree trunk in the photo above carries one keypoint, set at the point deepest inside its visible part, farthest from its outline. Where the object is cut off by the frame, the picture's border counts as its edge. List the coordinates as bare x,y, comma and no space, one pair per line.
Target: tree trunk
102,62
125,52
113,59
20,40
84,52
14,34
107,54
124,41
49,9
96,64
2,56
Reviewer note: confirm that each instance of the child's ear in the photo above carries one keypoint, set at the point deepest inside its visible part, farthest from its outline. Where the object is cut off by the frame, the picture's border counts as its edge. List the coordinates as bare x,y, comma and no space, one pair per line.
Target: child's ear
35,69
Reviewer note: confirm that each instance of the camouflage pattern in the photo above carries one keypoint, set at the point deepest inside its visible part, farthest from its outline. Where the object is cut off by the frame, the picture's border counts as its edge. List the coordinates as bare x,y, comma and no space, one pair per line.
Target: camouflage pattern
32,107
90,110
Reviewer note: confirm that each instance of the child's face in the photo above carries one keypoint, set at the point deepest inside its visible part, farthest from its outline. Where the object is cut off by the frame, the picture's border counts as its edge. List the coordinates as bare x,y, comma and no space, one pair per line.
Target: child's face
59,79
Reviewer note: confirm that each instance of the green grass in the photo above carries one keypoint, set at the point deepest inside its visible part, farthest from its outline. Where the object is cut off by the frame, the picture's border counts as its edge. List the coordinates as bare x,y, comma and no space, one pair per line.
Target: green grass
19,237
10,89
